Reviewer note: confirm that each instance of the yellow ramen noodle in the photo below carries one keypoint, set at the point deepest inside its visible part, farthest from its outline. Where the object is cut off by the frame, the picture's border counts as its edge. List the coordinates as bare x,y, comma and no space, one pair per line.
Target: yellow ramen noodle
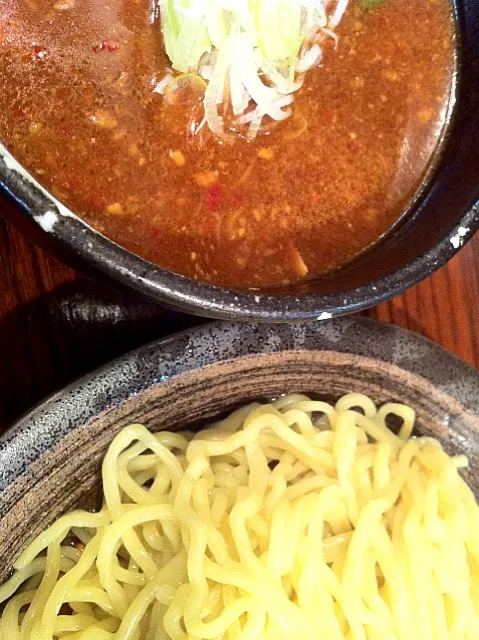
294,520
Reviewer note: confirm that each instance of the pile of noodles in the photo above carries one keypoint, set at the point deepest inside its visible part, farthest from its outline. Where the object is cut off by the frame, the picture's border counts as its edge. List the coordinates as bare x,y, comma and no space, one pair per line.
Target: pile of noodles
294,520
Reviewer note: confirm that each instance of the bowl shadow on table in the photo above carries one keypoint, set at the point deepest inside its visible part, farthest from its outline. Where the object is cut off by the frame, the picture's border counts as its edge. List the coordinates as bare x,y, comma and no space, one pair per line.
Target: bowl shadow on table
49,342
77,327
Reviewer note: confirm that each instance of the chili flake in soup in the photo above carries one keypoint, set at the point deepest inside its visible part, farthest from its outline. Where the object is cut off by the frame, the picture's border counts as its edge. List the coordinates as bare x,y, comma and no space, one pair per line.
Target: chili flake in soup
79,109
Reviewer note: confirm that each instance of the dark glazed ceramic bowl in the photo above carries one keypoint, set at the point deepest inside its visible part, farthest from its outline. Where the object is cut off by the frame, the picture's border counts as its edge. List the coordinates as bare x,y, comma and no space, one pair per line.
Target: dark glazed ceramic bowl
442,218
50,460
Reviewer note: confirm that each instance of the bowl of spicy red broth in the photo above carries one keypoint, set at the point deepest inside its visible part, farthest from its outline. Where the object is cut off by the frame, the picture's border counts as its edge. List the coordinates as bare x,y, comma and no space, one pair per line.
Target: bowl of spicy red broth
293,162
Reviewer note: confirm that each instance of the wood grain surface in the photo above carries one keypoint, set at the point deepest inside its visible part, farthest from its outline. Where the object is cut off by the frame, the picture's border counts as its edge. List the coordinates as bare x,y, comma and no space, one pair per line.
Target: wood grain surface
55,324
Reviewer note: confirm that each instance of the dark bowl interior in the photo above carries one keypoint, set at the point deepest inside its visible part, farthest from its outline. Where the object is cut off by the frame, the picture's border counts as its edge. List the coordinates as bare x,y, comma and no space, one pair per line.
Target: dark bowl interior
50,461
442,218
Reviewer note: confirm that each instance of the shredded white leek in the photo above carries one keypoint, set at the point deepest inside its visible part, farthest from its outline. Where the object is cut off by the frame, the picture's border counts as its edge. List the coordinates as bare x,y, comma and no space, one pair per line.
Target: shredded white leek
253,54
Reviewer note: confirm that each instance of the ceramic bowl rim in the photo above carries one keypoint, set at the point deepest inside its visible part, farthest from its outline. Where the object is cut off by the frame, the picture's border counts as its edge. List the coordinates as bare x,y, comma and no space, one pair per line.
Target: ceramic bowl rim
78,403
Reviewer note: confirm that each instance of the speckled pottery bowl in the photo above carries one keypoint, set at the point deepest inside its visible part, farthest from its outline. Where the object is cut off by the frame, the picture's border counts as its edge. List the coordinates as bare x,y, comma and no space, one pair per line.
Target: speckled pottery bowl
441,218
50,460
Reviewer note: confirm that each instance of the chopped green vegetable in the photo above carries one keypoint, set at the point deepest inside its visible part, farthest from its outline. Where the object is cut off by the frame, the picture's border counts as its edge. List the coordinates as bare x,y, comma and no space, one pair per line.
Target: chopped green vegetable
251,53
368,5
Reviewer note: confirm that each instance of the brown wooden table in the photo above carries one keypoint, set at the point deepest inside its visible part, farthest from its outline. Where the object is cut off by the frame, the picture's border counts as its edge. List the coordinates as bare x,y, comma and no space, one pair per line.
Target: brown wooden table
55,324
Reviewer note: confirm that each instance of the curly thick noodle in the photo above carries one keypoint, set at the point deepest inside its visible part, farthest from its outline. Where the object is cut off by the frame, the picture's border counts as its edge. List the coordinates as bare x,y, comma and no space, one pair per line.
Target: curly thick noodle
294,520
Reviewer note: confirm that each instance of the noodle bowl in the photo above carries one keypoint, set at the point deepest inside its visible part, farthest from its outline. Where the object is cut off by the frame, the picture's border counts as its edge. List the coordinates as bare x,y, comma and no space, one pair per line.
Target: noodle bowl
291,520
